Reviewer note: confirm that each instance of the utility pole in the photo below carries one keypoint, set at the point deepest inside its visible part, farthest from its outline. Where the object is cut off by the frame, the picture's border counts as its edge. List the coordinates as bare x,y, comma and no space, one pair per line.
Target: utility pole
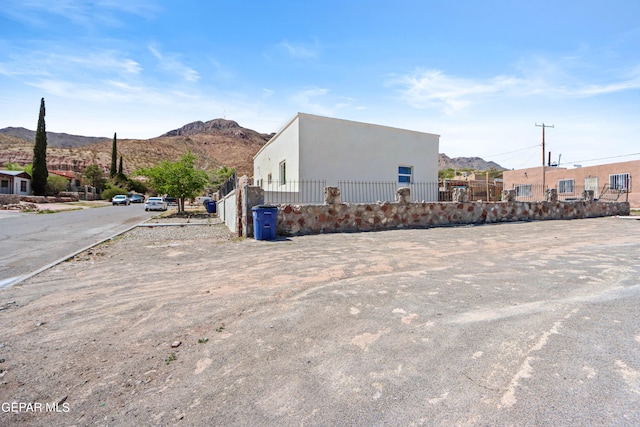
543,126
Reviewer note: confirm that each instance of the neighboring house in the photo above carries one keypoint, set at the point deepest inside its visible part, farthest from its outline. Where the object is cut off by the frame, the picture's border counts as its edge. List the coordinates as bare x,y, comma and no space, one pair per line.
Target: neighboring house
334,151
608,182
73,178
15,182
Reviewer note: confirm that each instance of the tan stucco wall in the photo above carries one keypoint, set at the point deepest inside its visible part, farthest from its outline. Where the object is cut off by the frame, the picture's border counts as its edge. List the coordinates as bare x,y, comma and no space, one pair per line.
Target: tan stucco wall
602,172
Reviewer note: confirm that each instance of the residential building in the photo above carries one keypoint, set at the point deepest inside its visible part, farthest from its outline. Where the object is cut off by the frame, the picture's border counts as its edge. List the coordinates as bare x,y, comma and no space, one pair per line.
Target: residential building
608,182
15,182
335,152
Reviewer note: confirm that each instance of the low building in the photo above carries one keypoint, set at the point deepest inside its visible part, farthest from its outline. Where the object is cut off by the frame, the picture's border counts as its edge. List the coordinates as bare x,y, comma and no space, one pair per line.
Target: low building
613,181
314,151
15,182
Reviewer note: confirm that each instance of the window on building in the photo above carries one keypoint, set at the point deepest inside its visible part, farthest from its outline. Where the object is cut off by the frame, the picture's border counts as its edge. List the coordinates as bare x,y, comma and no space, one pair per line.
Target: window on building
565,186
4,184
523,190
269,179
619,181
404,174
23,186
283,172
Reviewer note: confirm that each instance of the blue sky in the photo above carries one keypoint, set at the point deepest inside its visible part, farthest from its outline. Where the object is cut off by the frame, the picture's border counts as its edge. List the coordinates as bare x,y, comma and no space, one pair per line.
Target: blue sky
479,73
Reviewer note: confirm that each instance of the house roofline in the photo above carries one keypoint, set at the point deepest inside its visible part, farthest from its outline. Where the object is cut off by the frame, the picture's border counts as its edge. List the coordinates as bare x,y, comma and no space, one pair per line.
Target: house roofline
299,114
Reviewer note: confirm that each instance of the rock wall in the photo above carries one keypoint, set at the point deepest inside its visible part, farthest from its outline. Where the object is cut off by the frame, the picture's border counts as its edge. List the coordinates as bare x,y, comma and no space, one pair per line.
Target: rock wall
335,218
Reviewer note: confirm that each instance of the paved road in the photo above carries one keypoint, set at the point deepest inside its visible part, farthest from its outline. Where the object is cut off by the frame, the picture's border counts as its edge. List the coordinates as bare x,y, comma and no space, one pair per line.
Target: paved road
31,241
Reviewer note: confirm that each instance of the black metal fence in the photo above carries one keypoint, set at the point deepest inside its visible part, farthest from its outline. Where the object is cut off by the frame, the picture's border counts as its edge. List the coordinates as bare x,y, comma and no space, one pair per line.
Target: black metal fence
229,185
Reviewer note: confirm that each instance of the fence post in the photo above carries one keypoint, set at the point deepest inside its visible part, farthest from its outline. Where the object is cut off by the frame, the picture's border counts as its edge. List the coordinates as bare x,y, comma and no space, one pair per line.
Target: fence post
403,195
460,194
331,196
509,196
251,196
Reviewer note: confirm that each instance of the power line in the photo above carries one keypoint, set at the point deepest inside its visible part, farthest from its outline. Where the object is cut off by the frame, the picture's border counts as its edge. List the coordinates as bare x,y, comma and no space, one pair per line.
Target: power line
603,158
514,151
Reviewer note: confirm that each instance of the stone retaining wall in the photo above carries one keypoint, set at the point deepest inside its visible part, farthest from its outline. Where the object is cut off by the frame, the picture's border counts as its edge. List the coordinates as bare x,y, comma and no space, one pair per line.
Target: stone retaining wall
48,199
335,218
9,199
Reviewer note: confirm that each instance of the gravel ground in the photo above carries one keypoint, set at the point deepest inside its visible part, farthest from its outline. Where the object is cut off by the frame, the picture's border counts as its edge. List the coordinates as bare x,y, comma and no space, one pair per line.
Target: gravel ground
191,226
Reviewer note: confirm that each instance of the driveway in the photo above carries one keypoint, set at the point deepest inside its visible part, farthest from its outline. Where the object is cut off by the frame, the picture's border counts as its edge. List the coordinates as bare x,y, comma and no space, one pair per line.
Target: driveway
510,324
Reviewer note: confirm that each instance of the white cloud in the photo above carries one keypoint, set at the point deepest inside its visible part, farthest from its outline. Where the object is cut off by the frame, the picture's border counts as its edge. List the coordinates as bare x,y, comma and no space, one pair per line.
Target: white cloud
172,64
84,13
434,89
299,50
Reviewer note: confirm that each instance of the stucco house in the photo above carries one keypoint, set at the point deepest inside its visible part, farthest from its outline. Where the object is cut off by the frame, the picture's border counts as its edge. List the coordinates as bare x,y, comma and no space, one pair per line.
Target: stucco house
609,181
15,182
335,152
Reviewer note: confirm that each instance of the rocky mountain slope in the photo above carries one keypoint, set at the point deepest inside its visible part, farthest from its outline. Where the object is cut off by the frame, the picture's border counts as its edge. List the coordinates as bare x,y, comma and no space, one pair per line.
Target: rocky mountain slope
218,142
473,163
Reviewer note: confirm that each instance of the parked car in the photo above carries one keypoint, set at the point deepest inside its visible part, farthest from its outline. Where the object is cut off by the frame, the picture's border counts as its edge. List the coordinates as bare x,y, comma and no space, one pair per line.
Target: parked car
136,198
155,204
120,199
171,200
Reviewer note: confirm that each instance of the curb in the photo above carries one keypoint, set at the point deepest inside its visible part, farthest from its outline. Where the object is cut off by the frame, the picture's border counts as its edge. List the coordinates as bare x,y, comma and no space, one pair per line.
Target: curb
22,278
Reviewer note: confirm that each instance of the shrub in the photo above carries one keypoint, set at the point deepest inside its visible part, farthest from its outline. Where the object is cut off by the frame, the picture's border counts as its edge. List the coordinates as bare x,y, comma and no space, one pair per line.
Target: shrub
112,191
137,186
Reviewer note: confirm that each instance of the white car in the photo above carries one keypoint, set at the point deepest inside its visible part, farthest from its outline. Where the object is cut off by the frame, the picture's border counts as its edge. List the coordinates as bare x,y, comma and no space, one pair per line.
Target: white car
155,204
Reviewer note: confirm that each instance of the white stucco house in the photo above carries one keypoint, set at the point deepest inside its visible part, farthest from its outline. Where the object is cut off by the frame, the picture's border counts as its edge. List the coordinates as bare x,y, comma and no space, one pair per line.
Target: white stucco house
15,182
344,153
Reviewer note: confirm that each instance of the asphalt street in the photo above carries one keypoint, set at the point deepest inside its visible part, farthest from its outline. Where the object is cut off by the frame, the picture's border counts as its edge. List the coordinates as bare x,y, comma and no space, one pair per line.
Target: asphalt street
30,241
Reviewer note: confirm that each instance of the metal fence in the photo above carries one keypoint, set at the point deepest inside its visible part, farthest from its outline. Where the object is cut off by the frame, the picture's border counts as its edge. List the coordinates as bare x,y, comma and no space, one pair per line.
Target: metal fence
384,191
228,186
309,191
568,192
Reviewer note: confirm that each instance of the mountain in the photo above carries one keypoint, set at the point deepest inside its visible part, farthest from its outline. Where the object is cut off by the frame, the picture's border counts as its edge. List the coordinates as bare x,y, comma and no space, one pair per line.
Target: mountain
54,139
473,163
218,142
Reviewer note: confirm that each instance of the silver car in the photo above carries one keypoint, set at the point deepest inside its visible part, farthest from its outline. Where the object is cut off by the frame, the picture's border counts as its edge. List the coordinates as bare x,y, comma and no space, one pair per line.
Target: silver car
155,204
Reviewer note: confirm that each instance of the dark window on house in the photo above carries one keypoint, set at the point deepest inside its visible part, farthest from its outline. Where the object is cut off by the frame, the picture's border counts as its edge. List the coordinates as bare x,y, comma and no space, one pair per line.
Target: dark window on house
23,186
523,190
283,172
4,184
619,181
404,174
565,186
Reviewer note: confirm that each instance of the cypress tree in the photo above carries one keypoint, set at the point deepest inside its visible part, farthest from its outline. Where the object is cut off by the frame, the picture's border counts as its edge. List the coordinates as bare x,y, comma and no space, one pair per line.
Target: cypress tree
39,173
120,167
114,158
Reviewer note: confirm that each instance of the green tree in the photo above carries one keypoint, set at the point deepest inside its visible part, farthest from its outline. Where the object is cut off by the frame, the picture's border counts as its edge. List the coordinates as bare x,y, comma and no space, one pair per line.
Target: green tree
218,177
120,168
12,166
39,172
94,175
114,157
56,184
177,179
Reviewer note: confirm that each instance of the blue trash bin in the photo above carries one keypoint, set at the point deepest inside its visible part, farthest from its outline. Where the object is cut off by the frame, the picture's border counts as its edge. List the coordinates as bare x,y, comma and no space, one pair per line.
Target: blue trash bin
211,206
264,222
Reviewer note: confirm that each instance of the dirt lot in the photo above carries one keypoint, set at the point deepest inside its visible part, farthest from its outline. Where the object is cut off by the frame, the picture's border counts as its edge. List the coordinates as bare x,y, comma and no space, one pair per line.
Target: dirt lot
528,323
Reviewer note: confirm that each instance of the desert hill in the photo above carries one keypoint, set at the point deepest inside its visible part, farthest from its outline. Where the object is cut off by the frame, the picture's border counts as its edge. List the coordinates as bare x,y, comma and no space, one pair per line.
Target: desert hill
472,163
216,143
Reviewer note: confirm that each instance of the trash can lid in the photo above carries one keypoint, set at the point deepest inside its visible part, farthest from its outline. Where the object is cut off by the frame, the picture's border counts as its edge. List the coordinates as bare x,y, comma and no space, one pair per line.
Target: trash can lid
264,207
